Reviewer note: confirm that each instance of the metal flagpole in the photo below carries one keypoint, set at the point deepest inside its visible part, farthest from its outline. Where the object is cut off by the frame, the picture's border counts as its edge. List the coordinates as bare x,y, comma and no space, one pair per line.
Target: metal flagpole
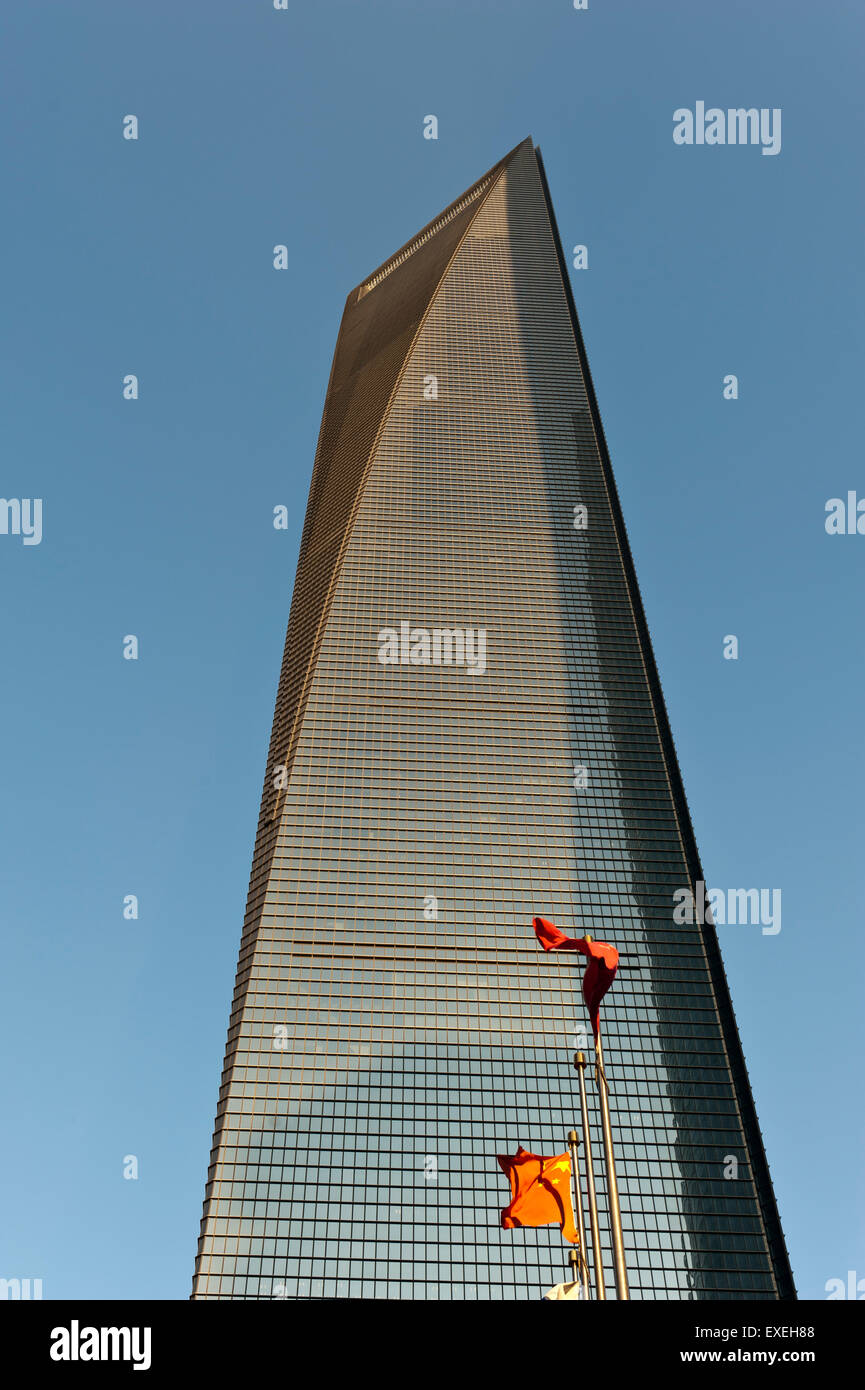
579,1066
612,1185
578,1263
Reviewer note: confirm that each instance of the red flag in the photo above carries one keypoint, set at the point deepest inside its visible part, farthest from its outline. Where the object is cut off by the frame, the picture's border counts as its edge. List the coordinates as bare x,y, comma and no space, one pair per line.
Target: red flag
540,1192
600,972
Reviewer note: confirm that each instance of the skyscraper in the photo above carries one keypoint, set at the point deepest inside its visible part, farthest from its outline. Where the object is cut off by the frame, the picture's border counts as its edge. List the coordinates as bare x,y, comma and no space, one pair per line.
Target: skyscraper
470,730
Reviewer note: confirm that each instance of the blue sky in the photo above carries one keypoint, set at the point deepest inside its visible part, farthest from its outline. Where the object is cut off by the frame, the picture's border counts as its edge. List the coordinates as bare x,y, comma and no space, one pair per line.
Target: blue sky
154,257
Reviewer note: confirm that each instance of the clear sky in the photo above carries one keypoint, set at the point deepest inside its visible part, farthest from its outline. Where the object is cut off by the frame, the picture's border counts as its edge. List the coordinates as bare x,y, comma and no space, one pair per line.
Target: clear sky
154,257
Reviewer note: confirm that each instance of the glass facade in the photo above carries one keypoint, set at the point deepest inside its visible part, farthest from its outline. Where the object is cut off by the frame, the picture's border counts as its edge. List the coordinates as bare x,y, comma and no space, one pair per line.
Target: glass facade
395,1025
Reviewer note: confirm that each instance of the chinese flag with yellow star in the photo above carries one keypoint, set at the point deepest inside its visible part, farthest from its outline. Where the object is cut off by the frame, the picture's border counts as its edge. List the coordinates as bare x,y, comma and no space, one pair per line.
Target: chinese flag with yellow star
540,1192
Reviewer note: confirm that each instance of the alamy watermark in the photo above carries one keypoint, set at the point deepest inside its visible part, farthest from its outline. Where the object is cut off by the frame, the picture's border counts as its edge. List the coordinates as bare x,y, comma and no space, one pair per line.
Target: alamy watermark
21,516
853,1289
714,126
735,907
77,1343
20,1288
438,646
845,518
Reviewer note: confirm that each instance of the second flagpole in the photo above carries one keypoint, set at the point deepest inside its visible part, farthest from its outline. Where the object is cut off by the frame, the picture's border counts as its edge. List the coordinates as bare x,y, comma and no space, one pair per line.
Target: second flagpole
622,1291
582,1267
600,1290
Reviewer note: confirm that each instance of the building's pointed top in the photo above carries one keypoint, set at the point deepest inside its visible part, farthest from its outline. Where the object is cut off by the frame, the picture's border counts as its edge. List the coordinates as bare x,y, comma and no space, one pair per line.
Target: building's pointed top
476,190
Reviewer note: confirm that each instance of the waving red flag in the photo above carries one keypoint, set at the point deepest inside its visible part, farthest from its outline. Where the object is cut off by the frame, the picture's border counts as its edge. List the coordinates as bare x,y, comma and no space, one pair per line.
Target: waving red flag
600,972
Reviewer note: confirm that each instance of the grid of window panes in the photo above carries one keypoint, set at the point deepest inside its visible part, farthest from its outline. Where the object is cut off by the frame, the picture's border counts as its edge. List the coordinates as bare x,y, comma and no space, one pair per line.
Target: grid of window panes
399,1025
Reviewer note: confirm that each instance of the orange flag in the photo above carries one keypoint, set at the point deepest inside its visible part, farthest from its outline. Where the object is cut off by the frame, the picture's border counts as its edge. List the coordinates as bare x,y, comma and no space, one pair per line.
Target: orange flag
540,1192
